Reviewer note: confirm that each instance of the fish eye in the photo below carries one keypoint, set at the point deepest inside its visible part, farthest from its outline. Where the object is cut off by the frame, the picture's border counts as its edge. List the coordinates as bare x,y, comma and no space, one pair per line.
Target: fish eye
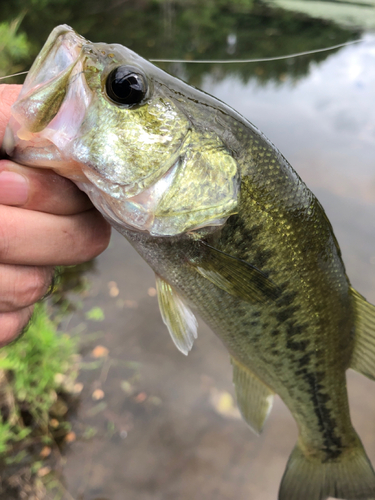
125,85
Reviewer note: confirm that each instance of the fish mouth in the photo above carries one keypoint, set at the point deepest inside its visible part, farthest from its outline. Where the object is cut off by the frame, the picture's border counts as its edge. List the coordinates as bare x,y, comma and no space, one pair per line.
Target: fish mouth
52,103
60,51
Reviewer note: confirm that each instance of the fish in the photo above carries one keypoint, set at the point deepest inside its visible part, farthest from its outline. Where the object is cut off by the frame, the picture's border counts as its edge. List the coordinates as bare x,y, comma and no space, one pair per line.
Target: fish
230,230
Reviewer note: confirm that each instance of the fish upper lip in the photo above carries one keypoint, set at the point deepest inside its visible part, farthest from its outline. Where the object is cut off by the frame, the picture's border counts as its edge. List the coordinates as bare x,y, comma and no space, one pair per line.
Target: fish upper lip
60,57
62,49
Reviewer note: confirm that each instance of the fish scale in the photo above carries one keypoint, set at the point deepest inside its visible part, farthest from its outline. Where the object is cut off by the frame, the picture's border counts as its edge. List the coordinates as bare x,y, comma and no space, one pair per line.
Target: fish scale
289,320
228,227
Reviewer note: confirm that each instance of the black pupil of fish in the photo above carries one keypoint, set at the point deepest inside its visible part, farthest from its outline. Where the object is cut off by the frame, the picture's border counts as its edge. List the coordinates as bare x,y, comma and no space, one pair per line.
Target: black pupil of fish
125,87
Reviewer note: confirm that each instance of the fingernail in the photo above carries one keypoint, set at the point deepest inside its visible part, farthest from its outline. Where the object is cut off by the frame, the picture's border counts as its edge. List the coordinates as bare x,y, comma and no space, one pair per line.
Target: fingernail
14,188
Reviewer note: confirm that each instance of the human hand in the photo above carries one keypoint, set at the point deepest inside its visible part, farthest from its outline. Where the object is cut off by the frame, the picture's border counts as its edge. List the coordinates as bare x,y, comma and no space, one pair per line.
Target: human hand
45,221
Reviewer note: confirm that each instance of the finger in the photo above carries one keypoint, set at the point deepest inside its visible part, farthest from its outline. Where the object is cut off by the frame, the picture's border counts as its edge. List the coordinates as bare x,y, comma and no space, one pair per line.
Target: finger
8,94
13,323
40,189
39,239
22,286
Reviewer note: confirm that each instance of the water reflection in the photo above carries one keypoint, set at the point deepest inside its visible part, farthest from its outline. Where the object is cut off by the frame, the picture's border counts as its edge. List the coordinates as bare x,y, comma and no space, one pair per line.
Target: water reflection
240,29
325,122
349,13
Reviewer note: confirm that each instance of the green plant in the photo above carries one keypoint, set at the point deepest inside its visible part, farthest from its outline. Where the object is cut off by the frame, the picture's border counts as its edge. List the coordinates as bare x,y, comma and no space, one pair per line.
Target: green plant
14,47
29,378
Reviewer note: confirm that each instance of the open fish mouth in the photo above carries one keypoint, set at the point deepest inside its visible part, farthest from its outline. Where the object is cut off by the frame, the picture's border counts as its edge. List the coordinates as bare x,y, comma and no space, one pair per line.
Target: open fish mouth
52,103
60,51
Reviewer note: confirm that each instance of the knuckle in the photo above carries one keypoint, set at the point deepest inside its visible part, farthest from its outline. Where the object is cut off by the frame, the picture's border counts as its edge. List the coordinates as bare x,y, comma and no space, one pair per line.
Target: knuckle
102,238
33,288
29,287
6,234
96,238
12,325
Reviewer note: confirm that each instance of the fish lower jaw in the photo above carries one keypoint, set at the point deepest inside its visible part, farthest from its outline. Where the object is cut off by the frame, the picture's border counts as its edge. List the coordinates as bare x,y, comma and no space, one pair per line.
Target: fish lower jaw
66,168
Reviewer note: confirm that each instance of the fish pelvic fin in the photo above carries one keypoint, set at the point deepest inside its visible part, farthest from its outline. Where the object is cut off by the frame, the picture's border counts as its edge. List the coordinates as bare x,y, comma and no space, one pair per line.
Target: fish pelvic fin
254,398
177,316
348,477
363,357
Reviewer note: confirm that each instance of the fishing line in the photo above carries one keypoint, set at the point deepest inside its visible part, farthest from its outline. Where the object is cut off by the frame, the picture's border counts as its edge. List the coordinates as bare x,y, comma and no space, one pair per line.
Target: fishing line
231,61
266,59
15,74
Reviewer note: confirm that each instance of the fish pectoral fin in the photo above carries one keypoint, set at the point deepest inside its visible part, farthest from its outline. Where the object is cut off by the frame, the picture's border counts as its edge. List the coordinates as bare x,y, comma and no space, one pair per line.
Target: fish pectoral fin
235,276
180,321
363,357
254,398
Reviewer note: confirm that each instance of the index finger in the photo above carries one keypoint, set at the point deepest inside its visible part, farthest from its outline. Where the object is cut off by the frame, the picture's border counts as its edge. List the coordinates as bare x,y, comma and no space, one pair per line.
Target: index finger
41,190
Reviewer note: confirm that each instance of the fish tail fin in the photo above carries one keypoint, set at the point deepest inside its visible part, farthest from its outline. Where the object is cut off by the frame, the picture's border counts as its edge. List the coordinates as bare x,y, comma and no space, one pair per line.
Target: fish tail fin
363,357
349,476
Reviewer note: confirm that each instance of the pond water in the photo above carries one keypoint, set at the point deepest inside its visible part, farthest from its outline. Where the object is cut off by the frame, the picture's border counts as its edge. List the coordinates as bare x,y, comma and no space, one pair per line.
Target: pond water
166,427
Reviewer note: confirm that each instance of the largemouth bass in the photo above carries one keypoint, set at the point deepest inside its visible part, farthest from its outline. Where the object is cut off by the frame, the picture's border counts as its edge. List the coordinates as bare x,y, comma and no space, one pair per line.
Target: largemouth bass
229,229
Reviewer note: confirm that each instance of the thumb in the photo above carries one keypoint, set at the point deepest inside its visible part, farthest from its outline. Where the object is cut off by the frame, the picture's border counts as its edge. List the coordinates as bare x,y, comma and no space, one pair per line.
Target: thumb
8,94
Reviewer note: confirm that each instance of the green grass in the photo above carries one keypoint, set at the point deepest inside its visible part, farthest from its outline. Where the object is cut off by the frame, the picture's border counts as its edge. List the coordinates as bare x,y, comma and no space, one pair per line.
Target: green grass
31,372
14,47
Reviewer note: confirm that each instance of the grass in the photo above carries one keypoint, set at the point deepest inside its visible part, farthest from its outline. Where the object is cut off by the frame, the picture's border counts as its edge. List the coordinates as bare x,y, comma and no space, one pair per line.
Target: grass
37,388
29,381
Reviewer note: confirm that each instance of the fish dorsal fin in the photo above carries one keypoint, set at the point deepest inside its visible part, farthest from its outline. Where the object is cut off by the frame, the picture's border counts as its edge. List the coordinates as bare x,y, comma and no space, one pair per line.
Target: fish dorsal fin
235,276
254,398
180,321
363,357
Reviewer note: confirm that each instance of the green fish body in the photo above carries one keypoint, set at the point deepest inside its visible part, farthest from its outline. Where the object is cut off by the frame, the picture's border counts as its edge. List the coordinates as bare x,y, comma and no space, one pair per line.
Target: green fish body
229,229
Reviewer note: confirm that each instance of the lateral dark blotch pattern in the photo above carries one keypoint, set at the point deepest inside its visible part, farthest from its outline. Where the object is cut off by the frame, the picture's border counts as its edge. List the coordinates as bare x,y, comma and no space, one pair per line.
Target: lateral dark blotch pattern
245,239
293,329
327,425
303,362
286,299
286,313
297,346
261,258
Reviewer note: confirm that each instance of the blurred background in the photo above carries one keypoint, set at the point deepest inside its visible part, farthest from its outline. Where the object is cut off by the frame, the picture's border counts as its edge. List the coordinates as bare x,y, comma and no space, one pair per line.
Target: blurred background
127,416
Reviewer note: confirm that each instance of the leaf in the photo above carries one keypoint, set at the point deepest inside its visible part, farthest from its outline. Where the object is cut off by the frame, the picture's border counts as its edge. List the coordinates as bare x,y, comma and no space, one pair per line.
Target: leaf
95,314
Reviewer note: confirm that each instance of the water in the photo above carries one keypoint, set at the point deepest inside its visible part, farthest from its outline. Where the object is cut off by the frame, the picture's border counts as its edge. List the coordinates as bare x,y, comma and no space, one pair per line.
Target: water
165,428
